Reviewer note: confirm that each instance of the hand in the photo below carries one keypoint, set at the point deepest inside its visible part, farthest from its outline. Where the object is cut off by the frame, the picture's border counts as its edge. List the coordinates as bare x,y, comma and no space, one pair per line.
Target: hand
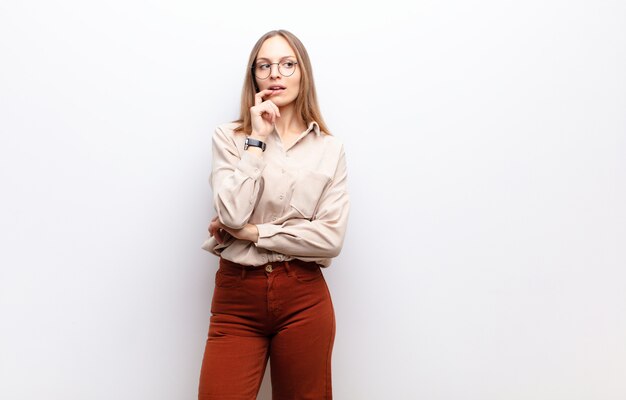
216,229
249,232
263,114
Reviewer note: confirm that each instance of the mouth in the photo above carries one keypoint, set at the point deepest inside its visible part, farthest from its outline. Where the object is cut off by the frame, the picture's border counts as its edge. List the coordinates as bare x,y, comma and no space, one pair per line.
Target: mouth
277,88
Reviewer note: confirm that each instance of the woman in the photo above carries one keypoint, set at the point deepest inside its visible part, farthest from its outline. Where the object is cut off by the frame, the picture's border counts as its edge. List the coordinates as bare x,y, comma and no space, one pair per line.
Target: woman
279,185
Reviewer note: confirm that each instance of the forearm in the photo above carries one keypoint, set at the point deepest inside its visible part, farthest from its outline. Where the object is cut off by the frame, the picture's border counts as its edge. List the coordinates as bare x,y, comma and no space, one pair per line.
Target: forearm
301,237
249,232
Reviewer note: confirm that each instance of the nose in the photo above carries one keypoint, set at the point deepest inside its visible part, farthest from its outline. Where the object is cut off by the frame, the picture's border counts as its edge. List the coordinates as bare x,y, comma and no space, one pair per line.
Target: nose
274,71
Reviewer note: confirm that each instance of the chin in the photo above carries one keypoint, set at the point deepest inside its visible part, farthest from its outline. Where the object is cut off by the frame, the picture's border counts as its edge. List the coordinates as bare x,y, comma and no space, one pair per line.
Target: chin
281,102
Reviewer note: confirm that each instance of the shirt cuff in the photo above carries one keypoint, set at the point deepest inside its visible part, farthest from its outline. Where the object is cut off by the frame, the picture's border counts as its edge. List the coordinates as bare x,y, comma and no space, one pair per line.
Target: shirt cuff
251,165
266,231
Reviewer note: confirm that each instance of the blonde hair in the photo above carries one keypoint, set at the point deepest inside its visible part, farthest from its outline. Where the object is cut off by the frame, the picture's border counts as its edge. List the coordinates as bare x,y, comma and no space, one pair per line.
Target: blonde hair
306,103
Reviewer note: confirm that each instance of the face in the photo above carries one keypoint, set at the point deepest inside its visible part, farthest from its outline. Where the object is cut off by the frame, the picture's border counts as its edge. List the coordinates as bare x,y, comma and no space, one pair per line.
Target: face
277,50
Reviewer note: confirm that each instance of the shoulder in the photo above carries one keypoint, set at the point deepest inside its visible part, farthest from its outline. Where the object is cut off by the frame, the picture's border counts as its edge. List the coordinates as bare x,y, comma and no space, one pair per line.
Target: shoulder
332,140
333,145
225,134
226,129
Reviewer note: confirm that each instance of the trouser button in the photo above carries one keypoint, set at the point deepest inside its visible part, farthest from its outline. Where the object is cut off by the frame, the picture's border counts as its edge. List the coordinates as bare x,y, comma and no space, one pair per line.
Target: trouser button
268,268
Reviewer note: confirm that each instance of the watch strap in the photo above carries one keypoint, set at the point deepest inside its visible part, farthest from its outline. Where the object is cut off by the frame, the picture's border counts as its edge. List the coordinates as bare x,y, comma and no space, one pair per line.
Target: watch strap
254,143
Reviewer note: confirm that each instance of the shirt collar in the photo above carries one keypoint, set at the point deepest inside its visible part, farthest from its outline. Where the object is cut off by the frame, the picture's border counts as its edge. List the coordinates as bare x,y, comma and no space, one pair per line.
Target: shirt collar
315,127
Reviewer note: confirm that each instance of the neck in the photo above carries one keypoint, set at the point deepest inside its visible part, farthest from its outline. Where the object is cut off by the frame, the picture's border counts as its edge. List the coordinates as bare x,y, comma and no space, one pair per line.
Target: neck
289,122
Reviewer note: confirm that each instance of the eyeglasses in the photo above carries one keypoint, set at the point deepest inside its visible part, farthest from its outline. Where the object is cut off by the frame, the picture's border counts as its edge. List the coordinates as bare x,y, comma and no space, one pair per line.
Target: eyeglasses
263,70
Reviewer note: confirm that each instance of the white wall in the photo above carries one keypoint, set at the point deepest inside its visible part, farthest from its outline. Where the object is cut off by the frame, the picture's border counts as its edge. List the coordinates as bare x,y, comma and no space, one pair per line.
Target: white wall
486,249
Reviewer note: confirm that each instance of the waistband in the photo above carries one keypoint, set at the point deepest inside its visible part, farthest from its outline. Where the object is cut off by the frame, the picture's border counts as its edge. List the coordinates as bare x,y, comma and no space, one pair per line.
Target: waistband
269,267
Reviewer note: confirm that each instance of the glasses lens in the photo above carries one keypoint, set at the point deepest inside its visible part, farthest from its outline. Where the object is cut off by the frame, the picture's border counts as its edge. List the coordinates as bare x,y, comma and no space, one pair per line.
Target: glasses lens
262,70
287,68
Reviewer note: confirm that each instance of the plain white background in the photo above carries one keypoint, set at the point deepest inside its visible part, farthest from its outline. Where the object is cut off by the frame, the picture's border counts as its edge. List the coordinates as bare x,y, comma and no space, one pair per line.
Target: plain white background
485,254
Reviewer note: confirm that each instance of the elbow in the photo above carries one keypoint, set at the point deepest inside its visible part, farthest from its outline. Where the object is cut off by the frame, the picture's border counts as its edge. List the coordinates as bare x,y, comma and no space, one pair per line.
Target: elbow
333,248
332,240
333,252
231,220
231,215
233,223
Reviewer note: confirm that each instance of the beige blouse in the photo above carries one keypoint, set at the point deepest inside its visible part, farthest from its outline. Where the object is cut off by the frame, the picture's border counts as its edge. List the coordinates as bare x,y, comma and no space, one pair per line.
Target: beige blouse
296,196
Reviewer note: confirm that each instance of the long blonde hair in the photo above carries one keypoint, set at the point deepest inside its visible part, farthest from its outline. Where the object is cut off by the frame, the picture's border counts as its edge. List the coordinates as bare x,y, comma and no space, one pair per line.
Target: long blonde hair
306,102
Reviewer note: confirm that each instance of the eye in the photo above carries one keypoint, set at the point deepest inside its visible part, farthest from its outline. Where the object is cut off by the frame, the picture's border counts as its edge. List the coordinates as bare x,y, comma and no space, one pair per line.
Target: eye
289,64
263,66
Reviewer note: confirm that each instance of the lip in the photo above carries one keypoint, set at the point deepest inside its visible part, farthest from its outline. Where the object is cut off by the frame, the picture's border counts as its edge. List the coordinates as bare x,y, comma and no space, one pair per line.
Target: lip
277,92
277,87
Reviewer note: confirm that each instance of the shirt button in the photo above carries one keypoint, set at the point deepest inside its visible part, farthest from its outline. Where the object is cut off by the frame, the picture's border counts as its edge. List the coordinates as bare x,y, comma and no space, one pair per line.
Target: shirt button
282,196
273,218
268,268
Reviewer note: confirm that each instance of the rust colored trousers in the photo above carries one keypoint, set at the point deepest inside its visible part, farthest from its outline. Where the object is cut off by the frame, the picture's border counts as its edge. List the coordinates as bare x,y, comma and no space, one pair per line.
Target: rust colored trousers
281,311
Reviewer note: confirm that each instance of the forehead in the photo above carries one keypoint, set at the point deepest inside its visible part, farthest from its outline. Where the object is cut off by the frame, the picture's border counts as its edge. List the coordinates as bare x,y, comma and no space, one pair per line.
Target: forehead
275,47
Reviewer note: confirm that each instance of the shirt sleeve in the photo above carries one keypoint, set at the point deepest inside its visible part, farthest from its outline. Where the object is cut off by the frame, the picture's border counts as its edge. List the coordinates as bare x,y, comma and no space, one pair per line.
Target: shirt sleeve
321,237
235,181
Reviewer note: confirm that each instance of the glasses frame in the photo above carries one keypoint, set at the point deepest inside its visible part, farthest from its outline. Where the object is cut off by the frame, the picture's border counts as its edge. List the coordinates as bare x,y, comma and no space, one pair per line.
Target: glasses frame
253,69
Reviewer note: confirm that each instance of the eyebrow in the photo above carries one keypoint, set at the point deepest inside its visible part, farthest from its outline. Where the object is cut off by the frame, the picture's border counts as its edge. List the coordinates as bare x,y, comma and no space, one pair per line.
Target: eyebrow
267,59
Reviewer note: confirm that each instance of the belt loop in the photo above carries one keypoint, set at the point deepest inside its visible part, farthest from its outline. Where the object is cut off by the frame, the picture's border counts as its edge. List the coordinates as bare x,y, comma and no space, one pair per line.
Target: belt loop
243,272
288,268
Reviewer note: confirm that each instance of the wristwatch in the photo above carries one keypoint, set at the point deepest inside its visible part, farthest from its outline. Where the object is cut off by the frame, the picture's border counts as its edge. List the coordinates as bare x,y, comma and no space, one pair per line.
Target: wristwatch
253,142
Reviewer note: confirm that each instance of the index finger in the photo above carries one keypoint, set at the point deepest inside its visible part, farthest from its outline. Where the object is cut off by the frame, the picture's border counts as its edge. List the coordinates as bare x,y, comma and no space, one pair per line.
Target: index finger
258,98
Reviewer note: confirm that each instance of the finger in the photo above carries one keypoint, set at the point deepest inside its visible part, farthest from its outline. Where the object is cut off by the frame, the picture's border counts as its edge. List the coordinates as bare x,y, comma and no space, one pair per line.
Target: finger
268,106
258,98
271,114
264,110
275,108
268,113
213,226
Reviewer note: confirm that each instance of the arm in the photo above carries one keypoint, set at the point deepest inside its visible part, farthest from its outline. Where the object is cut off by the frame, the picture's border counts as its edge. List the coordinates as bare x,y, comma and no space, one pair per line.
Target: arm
321,237
235,181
